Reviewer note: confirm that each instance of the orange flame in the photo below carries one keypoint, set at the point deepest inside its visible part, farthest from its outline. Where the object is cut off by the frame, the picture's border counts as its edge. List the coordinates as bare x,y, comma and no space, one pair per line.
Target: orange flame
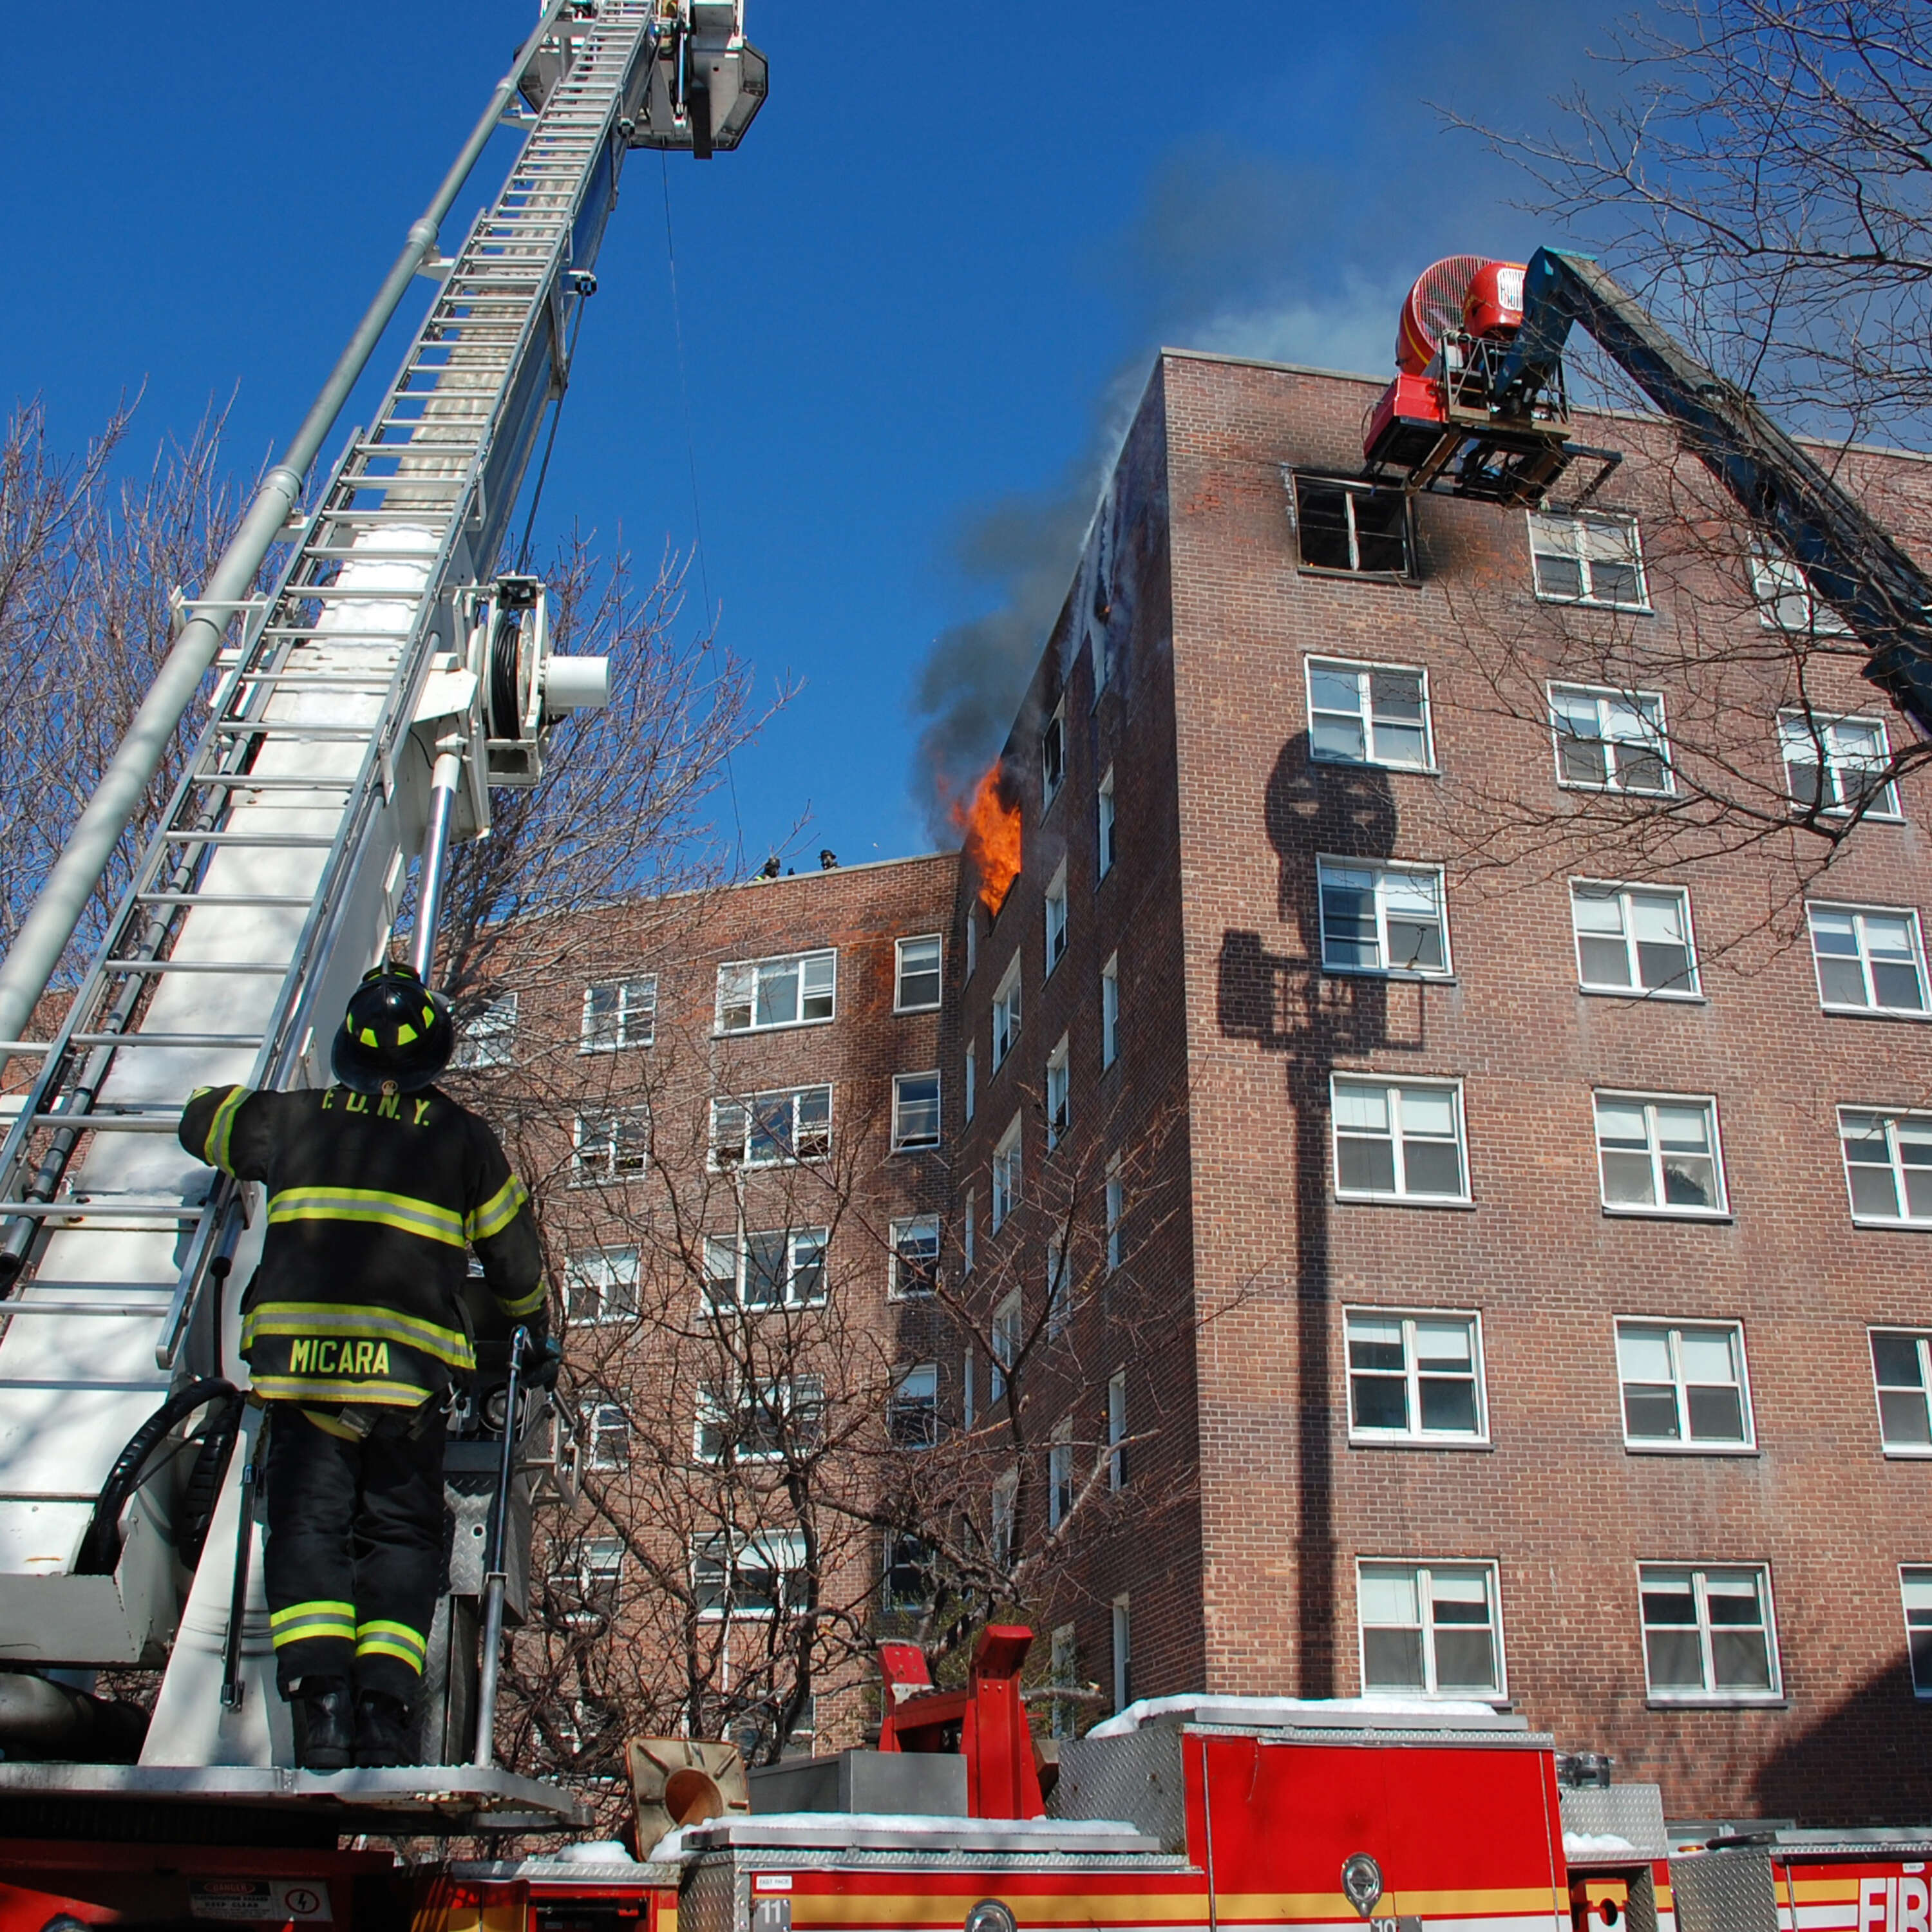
991,830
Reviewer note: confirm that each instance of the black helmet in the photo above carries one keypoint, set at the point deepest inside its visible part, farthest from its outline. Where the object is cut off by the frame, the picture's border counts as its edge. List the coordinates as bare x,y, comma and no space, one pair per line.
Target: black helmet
396,1033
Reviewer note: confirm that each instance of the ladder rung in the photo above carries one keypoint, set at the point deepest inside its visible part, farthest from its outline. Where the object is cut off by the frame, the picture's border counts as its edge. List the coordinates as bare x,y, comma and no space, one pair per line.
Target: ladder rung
102,1210
349,593
301,680
263,899
248,782
8,1309
319,734
169,1039
112,1124
312,633
118,967
417,449
276,839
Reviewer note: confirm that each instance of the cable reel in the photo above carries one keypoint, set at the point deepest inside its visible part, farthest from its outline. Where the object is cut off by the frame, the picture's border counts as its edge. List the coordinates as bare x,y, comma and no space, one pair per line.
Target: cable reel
524,687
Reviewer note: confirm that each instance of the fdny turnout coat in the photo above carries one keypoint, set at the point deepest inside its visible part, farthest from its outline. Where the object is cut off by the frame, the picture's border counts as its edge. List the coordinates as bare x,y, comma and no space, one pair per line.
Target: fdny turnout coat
374,1201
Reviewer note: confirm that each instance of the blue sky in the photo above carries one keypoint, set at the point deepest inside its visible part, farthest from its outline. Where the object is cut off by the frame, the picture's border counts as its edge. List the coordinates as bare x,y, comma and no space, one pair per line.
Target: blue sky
915,305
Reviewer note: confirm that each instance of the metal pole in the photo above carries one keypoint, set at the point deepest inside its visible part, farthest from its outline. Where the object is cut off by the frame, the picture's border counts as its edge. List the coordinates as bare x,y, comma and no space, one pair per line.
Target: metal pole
35,955
244,1542
435,870
496,1580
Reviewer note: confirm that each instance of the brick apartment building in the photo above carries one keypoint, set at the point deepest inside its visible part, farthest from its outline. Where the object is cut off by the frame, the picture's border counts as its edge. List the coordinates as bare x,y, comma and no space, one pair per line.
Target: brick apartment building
1428,1122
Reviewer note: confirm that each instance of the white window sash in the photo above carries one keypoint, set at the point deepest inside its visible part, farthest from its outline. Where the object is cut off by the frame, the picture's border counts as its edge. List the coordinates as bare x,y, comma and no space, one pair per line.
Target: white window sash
1412,1372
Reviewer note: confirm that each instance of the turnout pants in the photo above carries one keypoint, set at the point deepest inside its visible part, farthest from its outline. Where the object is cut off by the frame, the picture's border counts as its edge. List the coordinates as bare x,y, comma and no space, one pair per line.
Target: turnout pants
355,1555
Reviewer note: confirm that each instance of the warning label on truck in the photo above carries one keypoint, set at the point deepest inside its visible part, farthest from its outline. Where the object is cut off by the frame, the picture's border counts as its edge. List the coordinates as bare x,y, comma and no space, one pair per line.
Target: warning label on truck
259,1901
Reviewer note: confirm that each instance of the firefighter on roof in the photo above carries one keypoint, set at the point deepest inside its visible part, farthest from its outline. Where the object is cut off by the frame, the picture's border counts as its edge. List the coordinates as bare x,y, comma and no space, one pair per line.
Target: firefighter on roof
354,1331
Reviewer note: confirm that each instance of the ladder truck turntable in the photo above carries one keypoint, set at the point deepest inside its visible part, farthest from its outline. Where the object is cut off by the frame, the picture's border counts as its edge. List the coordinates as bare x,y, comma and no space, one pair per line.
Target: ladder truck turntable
388,679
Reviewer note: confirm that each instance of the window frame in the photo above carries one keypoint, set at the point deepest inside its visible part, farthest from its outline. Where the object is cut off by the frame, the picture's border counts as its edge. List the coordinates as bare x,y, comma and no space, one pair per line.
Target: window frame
1393,1084
1416,1436
1586,598
1382,870
1363,668
1110,1011
598,1565
1692,992
735,1543
1777,580
1859,914
1650,1099
582,1125
592,1428
1006,1336
1009,1180
937,942
898,1405
901,1227
1118,1431
1105,827
1685,1443
740,1245
790,1390
1051,784
1350,487
1803,723
1059,1078
1060,1473
488,1040
1921,1341
1709,1698
1056,895
1009,1003
1425,1567
902,1143
748,1103
1915,1571
623,1043
756,968
574,1281
1114,1199
1611,787
1889,1118
969,1077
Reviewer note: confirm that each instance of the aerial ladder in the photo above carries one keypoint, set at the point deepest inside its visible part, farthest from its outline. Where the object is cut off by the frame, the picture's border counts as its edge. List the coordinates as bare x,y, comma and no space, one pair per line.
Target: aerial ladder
363,707
1479,409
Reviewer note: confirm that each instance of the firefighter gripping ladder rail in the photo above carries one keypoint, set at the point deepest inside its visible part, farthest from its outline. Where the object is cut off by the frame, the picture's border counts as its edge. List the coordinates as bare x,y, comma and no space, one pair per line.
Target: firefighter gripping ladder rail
278,865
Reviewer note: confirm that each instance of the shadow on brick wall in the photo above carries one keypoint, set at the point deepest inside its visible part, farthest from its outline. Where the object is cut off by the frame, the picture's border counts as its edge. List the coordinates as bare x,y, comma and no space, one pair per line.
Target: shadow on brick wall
1872,1752
1270,990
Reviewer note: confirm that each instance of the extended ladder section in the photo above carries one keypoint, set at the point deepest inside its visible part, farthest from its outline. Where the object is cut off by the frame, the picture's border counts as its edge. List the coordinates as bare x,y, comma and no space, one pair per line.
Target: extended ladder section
271,884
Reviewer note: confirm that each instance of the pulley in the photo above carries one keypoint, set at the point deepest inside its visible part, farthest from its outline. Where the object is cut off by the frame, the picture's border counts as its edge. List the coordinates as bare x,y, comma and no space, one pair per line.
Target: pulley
523,686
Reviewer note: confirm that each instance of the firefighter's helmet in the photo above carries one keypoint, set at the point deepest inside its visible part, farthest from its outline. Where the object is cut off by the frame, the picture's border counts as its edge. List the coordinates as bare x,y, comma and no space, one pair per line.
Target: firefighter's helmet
397,1033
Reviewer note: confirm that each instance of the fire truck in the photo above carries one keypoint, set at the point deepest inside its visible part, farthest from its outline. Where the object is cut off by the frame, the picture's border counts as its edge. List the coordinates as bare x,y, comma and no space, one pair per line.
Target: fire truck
357,677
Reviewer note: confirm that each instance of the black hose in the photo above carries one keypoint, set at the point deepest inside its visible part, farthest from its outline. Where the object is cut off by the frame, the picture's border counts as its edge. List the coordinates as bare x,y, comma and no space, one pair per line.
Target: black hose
101,1547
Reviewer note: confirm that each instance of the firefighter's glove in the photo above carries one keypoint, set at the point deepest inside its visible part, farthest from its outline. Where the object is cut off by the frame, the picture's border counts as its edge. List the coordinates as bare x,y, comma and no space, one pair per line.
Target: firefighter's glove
542,1360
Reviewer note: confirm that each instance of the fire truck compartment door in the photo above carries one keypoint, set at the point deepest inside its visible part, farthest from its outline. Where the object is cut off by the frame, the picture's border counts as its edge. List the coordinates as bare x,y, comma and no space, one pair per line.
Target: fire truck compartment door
1724,1891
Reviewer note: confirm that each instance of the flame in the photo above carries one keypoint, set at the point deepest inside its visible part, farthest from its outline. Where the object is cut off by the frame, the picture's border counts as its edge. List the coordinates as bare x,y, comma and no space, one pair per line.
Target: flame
991,830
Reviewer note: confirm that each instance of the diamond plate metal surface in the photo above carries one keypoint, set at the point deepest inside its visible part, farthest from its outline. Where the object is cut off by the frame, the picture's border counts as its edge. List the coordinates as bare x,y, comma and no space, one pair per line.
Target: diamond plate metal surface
1631,1812
1136,1777
1724,1891
713,1897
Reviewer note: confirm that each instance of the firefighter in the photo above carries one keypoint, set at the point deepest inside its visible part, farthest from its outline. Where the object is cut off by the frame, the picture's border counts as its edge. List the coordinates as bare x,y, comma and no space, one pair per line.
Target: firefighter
354,1331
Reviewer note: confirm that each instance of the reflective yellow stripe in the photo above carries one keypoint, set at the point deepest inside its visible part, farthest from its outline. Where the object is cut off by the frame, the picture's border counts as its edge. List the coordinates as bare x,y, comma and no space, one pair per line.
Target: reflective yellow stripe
498,1212
378,1627
403,1212
526,1304
304,1633
309,1388
383,1647
301,1622
330,1425
339,1321
215,1149
321,1607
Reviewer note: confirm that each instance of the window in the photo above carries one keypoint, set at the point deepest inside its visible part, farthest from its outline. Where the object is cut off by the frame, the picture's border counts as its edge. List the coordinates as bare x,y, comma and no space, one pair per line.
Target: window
1116,1430
915,1110
488,1038
1066,1677
1915,1584
759,1422
737,1574
972,942
1430,1628
915,1255
754,995
1870,958
1059,1286
916,981
1116,1200
589,1586
1659,1154
620,1013
1684,1387
1786,600
1382,919
1610,740
1006,1499
1708,1633
1058,1080
1103,847
606,1429
1398,1143
1007,1174
1902,1372
1053,757
1110,1011
1006,1338
908,1570
781,1267
1414,1377
1837,764
1362,714
969,1085
1587,560
968,1239
967,1403
1006,1014
1888,1166
1056,919
1060,1474
1351,526
600,1285
1633,941
772,1129
609,1147
1123,1670
913,1418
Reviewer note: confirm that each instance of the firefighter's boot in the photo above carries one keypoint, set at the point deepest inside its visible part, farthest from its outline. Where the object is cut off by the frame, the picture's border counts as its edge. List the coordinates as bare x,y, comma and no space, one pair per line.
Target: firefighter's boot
325,1738
385,1730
